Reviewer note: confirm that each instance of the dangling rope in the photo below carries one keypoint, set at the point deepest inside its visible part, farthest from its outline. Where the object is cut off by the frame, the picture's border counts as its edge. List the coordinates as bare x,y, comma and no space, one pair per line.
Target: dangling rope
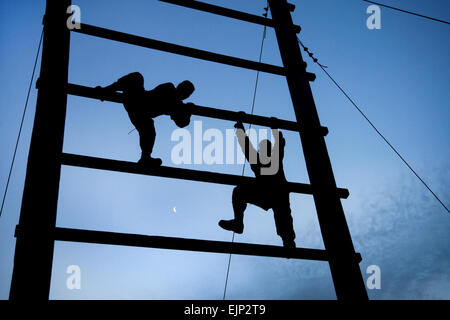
266,9
21,122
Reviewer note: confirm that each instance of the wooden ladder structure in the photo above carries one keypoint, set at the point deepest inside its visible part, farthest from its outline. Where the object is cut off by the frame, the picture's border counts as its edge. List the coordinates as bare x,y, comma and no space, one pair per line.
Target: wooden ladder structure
37,231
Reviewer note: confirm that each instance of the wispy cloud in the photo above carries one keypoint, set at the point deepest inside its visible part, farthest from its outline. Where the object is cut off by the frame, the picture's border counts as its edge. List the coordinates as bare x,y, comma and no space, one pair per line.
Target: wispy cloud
403,230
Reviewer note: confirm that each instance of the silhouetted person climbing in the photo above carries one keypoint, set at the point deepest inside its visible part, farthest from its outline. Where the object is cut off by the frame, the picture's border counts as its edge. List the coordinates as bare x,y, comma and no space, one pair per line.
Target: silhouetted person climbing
142,106
269,190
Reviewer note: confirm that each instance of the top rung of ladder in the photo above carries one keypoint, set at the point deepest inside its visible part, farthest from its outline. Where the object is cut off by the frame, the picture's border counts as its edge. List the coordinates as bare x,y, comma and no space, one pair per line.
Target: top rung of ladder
243,16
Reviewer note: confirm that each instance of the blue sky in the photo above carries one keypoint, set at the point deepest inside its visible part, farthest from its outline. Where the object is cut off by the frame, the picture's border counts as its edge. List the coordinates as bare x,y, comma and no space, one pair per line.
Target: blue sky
398,75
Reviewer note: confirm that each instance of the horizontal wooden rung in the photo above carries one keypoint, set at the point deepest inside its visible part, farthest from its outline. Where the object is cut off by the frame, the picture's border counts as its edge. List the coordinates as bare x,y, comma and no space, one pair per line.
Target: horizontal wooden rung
182,50
92,93
243,16
177,173
137,240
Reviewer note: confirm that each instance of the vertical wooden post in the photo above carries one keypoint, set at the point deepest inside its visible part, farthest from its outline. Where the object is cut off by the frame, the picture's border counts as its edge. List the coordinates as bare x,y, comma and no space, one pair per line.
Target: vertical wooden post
347,278
34,245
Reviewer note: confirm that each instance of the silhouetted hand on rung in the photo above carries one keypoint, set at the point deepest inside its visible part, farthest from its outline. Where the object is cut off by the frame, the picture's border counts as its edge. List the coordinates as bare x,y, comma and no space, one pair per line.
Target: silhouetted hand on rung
273,122
100,92
239,125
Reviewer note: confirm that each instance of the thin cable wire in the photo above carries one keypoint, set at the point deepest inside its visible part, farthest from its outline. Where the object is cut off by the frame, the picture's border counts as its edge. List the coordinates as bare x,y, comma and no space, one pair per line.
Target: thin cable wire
21,123
243,167
409,12
373,126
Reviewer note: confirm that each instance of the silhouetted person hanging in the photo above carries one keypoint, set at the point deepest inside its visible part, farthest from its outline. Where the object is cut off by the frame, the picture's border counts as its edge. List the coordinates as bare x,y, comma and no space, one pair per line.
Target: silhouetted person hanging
269,190
142,106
